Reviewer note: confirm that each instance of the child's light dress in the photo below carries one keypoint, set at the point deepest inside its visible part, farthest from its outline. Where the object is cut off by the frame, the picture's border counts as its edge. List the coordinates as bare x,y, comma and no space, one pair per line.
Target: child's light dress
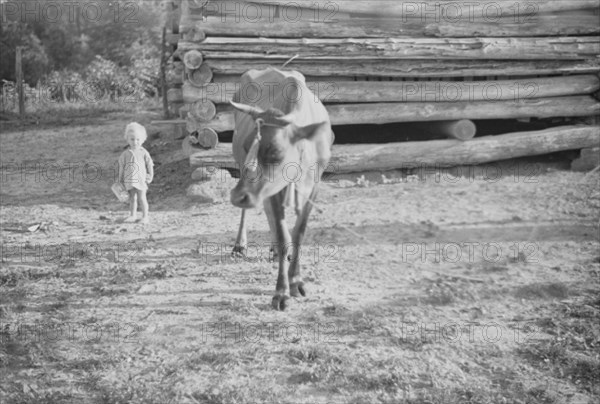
136,169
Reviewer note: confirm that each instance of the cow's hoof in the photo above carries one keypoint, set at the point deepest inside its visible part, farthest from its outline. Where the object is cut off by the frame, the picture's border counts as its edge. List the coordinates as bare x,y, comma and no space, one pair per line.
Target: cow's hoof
238,251
280,302
297,289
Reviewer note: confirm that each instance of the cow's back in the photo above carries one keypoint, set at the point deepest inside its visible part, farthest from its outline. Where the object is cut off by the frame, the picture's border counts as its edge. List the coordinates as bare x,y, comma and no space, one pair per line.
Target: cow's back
273,88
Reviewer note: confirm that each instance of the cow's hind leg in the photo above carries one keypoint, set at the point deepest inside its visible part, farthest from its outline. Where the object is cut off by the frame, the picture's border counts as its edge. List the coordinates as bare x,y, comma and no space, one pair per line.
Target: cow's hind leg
296,283
241,241
282,235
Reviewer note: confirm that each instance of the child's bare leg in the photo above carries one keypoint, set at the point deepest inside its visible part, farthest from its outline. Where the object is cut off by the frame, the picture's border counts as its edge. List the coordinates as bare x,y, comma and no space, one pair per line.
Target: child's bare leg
132,206
144,205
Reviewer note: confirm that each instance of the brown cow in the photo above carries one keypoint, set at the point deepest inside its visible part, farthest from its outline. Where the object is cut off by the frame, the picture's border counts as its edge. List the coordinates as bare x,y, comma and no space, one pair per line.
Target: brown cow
282,142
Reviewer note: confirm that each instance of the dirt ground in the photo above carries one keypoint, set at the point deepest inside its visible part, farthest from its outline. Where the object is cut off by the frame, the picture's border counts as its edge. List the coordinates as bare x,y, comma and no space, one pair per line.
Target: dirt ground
442,289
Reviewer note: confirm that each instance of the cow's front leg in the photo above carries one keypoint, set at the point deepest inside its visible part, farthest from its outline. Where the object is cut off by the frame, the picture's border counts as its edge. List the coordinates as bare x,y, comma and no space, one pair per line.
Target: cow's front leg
241,241
294,275
273,254
282,235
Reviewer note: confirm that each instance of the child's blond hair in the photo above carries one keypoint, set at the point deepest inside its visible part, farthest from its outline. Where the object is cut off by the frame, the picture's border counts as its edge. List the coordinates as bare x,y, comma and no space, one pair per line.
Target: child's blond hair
135,127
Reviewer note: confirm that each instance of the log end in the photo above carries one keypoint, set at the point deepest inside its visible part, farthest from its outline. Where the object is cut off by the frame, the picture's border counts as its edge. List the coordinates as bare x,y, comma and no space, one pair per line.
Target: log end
200,76
203,110
198,140
464,129
208,138
192,59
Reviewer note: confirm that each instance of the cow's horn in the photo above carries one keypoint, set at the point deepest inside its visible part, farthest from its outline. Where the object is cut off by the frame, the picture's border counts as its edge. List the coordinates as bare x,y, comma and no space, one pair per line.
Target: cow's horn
285,119
254,112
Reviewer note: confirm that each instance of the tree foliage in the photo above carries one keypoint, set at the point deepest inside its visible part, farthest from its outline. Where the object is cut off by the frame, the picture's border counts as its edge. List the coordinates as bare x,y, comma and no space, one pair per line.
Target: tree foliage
108,41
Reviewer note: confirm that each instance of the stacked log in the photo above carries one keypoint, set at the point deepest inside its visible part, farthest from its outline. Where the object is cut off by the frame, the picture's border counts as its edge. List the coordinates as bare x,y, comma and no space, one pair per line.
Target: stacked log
434,153
444,64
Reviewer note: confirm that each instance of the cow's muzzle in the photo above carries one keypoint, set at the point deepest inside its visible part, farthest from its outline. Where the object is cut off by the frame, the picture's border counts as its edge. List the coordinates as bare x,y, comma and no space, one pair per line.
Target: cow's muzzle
243,199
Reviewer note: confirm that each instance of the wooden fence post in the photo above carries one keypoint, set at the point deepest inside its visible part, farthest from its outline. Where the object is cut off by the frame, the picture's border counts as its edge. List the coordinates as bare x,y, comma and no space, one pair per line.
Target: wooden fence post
163,76
19,77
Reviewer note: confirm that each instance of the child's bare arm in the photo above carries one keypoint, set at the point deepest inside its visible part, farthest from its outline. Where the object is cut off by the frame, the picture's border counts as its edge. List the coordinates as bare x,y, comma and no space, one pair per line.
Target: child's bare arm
149,168
121,177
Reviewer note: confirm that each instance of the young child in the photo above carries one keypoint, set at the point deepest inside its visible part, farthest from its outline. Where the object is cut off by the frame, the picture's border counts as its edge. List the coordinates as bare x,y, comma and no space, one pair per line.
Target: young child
136,171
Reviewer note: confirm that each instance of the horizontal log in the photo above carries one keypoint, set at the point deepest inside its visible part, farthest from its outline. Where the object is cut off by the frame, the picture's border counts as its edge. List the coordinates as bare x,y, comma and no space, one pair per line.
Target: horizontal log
169,122
349,114
332,91
252,12
447,153
435,153
222,122
530,48
233,78
410,67
584,22
380,113
433,8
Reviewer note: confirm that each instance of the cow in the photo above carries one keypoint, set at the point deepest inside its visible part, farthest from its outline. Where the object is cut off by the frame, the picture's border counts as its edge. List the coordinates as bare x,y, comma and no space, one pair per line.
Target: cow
282,144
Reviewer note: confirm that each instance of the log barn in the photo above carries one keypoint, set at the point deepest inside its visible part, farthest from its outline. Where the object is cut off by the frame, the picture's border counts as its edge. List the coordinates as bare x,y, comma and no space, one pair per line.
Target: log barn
471,82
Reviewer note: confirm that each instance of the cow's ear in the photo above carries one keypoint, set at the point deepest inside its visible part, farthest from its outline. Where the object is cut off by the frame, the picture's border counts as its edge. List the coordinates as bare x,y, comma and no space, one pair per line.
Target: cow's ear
311,131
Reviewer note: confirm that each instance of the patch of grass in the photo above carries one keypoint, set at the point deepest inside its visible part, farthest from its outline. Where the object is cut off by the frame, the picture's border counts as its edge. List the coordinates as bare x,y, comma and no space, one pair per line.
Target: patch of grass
335,310
542,291
62,113
216,360
555,358
135,395
572,352
158,271
311,354
88,364
389,380
460,395
111,290
324,365
493,268
475,395
13,296
120,274
244,390
10,278
440,296
368,320
31,396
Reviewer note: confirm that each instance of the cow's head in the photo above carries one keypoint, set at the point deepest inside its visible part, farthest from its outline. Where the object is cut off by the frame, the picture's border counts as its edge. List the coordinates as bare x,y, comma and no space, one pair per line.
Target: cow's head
273,160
